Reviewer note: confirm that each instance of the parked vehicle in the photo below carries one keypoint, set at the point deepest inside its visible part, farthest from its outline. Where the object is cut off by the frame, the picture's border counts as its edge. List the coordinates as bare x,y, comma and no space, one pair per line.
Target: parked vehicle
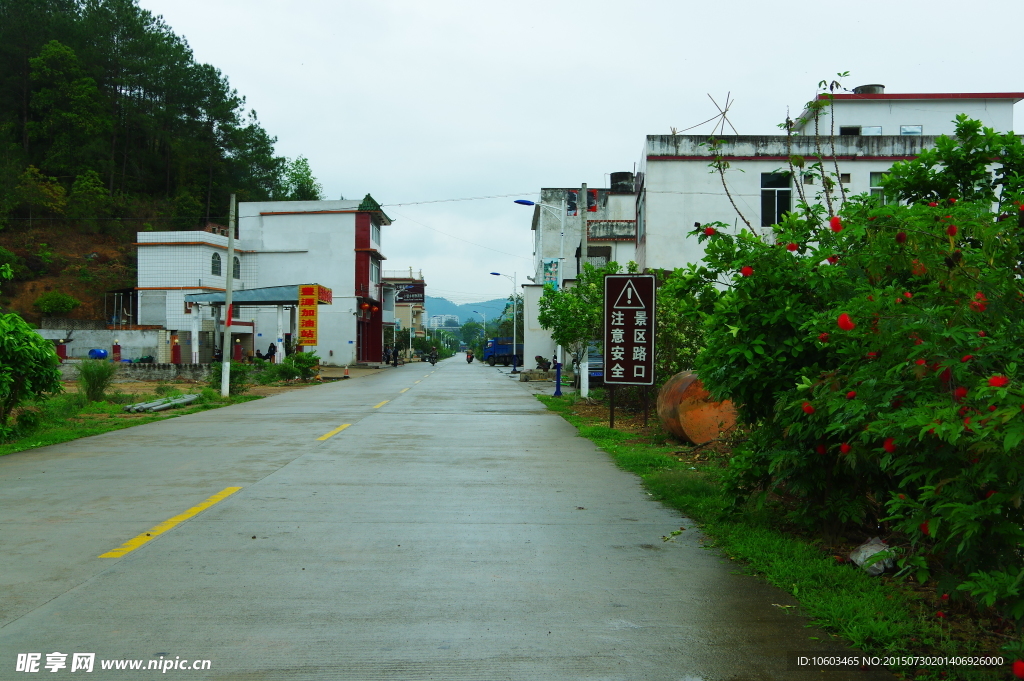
499,351
595,365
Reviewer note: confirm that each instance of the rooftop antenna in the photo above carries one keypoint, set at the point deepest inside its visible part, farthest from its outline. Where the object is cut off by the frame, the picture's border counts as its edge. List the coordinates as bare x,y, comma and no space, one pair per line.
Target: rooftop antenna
721,119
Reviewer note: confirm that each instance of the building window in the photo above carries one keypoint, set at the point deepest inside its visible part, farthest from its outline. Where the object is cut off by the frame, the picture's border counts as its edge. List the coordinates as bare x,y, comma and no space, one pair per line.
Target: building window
776,198
215,265
374,272
375,234
871,130
808,178
911,129
849,130
876,186
236,271
844,178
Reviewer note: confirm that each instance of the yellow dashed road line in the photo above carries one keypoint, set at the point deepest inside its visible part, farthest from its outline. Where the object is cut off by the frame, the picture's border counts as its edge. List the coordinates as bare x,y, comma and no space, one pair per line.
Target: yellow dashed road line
378,406
334,432
403,390
138,541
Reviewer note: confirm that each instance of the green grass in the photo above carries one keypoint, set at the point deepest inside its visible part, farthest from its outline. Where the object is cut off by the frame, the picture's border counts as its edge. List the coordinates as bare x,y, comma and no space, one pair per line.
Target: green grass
872,614
67,417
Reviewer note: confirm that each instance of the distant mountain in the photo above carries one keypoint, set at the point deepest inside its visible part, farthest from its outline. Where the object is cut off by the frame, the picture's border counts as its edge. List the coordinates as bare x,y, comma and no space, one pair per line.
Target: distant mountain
490,308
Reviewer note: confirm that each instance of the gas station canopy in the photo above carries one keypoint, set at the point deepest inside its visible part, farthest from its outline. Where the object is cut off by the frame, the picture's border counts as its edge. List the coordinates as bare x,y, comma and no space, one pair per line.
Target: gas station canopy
270,295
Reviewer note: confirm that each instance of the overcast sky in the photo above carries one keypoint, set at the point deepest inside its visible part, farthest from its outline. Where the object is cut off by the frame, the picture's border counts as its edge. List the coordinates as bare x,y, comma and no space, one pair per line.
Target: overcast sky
441,99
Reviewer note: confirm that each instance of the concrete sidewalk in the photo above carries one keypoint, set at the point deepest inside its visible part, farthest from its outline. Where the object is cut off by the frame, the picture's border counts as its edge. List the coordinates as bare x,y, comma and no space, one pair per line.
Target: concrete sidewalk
454,530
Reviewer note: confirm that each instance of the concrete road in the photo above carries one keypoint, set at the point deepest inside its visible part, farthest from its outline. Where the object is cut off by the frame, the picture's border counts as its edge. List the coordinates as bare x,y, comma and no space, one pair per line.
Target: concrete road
453,530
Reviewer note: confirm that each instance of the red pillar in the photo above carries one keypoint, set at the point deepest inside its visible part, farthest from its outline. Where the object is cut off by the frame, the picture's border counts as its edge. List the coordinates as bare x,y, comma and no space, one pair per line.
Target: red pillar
175,354
237,352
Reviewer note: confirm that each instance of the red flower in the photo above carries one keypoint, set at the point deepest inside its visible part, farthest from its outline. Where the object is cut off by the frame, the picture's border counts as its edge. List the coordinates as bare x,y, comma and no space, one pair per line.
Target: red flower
924,528
823,337
918,341
845,323
921,361
952,200
872,355
1018,665
981,333
832,259
967,423
791,247
940,614
820,449
960,393
991,407
946,376
746,270
709,231
917,269
902,496
997,381
889,445
835,224
932,204
944,597
901,237
967,358
980,296
980,307
845,448
908,294
807,407
989,493
853,393
952,230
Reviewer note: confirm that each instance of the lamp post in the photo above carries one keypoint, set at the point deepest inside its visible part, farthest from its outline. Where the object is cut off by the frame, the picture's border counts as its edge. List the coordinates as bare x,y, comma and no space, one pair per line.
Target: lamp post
561,238
561,273
515,291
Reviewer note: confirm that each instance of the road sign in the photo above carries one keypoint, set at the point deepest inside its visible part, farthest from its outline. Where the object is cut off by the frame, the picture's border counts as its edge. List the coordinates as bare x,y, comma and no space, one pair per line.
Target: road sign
629,329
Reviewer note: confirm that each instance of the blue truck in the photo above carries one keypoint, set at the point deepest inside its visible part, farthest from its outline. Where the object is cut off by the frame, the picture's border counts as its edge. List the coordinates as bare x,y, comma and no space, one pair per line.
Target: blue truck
499,351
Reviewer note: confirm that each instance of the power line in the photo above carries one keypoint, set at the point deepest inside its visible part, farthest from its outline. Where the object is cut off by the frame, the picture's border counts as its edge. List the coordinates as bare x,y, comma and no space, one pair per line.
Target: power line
471,198
452,236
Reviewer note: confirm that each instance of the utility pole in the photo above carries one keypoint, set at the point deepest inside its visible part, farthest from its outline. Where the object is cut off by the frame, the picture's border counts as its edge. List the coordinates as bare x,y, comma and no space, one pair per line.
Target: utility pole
581,208
226,349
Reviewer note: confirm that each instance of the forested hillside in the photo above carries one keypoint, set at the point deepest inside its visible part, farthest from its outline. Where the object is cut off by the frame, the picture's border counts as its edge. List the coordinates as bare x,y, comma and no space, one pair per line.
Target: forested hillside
109,126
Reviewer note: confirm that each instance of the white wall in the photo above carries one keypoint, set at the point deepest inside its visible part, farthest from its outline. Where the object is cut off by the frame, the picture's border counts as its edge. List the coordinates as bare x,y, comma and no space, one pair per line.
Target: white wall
536,341
134,344
936,115
306,248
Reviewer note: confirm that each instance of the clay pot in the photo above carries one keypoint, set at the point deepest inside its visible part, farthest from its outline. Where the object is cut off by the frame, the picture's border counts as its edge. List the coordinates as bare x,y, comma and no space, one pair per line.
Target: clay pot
686,410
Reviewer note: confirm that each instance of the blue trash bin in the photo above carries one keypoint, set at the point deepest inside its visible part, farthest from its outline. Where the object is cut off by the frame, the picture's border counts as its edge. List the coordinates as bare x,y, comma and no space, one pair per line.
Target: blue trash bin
96,353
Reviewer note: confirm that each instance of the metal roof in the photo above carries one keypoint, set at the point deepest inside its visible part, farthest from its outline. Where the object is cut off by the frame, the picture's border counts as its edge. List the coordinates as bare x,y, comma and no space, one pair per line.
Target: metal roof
270,295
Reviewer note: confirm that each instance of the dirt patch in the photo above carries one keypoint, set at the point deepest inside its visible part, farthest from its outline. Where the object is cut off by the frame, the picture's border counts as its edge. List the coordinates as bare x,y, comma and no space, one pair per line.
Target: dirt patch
81,265
188,387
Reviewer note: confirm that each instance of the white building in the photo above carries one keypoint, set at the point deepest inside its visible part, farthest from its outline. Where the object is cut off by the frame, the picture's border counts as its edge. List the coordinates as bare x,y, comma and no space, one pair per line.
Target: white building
279,243
438,321
678,189
607,216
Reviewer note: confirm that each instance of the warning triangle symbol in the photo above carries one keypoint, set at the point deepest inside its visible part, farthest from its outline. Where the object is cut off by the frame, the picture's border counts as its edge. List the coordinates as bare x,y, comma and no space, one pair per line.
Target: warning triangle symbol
629,299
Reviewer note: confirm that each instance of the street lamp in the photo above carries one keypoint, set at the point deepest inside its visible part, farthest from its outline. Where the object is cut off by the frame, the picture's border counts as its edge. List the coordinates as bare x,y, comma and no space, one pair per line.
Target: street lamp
515,291
561,275
561,229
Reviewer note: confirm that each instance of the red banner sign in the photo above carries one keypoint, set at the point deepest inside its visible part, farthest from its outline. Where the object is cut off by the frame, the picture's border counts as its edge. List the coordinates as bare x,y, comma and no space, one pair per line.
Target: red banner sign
308,300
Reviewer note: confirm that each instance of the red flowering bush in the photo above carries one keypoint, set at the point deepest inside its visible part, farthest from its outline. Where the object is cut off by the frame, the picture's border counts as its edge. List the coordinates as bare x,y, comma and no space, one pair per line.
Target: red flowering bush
938,418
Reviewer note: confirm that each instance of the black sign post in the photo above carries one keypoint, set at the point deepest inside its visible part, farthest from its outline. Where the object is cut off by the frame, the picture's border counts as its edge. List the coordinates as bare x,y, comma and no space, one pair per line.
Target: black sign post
629,318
